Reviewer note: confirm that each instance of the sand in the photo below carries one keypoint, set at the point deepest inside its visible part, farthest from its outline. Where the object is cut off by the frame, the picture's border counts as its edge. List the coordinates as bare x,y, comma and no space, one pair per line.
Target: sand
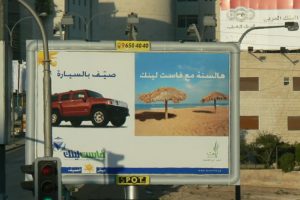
200,121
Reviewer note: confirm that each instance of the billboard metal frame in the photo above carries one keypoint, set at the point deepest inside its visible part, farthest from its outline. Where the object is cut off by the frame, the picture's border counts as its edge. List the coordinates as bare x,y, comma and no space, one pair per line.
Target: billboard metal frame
234,137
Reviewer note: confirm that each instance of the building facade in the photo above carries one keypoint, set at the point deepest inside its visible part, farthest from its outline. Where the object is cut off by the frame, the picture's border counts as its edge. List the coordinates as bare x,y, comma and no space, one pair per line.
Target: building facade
82,13
269,94
159,20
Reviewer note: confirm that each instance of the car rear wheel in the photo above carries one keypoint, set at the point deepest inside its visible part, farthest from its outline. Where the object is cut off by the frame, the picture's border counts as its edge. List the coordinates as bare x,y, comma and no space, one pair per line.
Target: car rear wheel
118,121
99,117
55,118
76,123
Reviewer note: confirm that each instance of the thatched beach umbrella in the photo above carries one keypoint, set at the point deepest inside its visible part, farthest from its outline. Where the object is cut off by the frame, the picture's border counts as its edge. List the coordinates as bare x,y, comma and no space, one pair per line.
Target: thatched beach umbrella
164,94
214,96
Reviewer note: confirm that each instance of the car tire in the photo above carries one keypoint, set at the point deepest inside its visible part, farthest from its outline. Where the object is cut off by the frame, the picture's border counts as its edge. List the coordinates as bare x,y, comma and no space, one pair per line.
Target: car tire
55,118
99,117
76,122
118,121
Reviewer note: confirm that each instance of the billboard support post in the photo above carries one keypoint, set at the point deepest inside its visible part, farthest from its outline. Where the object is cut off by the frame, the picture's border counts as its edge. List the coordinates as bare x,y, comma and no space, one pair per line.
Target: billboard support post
237,192
131,192
47,84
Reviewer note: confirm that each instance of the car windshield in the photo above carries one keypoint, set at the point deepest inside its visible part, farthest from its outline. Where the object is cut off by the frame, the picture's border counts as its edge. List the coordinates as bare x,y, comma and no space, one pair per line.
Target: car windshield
94,94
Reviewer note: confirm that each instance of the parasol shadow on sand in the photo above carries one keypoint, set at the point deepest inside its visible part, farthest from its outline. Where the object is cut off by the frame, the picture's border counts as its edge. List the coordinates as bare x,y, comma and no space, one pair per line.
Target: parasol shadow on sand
153,115
215,96
164,94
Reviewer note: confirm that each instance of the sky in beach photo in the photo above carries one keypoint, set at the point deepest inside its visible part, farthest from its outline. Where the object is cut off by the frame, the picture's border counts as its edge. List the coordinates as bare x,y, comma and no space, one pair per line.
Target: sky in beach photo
196,74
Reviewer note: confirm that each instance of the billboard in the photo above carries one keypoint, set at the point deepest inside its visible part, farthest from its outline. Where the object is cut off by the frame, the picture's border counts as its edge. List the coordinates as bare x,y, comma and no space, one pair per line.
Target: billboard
169,114
236,16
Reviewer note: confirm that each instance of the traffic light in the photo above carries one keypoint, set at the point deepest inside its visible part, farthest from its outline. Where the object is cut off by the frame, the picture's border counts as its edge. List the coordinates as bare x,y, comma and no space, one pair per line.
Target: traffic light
48,178
28,185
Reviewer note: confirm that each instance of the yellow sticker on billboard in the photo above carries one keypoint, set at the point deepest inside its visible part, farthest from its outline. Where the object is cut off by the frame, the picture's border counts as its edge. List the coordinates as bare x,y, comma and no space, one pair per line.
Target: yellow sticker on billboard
133,180
127,45
52,57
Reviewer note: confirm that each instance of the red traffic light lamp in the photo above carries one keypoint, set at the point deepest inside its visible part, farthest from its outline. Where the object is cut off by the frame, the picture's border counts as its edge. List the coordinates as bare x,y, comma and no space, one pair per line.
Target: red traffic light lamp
48,170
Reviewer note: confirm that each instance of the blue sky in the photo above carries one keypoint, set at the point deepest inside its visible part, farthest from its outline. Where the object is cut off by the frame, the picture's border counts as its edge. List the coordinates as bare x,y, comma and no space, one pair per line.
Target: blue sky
196,74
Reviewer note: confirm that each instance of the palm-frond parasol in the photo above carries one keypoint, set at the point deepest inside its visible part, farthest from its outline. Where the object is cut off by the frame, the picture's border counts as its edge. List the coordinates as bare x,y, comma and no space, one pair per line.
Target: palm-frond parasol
214,96
164,94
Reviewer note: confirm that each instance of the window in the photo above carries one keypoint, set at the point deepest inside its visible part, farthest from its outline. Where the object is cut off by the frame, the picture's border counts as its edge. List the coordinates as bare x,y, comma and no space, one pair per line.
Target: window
65,97
54,98
186,0
293,123
94,94
296,83
249,122
185,20
286,80
84,25
74,24
79,23
249,84
84,3
79,95
79,2
73,2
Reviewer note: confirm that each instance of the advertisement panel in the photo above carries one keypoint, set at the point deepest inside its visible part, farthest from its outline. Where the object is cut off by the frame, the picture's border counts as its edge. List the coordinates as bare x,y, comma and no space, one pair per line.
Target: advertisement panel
169,114
236,16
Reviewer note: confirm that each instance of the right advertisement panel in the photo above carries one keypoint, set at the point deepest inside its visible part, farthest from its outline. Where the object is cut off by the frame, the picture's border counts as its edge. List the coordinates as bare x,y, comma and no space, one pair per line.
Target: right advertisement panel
182,94
237,16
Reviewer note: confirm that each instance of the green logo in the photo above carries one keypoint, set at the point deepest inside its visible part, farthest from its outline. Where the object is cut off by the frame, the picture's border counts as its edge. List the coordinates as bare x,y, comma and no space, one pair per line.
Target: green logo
215,151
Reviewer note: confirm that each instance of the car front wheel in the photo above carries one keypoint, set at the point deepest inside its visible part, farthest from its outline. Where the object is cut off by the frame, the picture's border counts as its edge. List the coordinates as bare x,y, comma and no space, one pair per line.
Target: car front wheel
99,117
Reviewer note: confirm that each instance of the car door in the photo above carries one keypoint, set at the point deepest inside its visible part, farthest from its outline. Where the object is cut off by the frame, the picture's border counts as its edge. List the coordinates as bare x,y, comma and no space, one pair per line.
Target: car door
80,104
66,105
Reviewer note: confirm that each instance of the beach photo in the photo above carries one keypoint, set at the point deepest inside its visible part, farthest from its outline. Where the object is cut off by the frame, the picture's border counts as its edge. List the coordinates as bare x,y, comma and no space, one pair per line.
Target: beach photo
182,94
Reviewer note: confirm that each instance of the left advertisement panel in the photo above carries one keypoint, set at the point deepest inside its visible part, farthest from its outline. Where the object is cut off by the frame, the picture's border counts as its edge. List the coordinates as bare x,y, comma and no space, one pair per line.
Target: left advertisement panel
89,92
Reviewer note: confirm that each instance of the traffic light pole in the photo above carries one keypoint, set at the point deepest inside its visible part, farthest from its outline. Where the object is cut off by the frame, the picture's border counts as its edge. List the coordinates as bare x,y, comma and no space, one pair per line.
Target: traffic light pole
2,171
48,151
4,129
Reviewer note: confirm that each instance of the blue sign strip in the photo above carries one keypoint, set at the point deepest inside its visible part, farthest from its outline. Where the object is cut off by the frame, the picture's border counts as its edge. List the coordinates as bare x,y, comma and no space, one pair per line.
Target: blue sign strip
103,170
110,170
71,170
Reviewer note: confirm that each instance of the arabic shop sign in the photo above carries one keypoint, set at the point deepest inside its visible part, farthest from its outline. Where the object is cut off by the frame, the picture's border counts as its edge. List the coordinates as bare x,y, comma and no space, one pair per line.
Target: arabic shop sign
238,16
